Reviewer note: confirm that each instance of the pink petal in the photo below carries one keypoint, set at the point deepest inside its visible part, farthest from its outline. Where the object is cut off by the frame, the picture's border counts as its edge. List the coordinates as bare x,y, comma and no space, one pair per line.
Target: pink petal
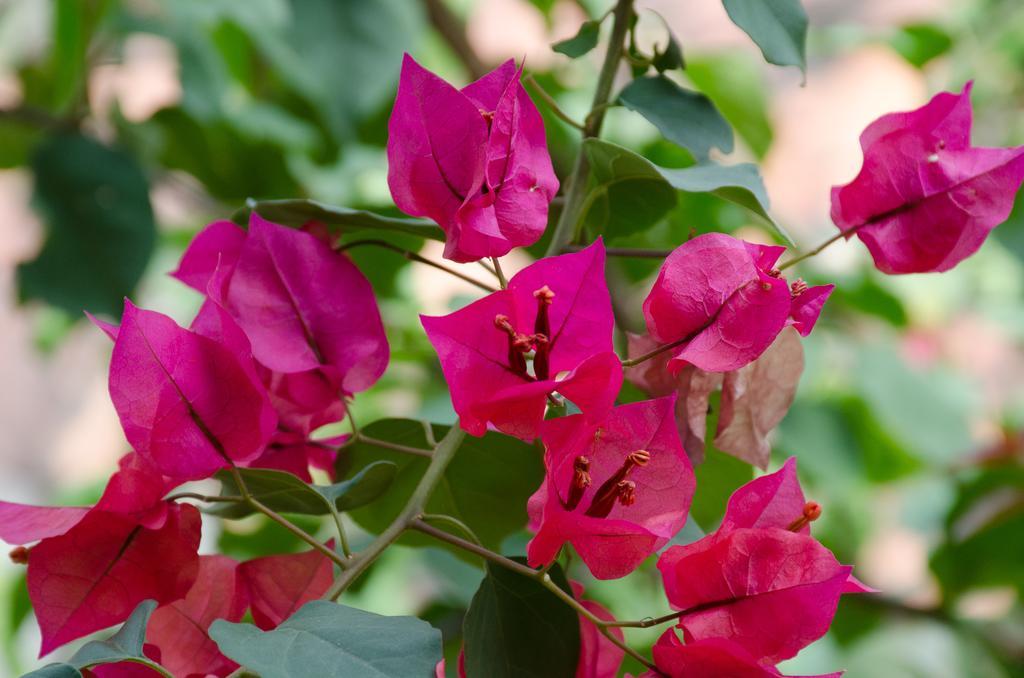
485,93
304,305
109,329
599,656
180,628
24,524
773,500
185,402
806,308
95,574
710,658
280,585
217,245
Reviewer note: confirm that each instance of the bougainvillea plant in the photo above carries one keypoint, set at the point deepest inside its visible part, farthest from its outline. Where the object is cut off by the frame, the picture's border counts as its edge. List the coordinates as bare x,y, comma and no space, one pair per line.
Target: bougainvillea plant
289,333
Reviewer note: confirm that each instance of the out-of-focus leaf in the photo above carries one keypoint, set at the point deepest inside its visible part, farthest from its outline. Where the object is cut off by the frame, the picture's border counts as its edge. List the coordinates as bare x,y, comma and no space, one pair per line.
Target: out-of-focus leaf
17,139
920,43
732,82
670,56
685,117
627,193
778,27
486,485
1011,232
515,627
865,295
717,477
338,219
883,457
581,43
333,641
283,492
911,649
258,536
740,184
74,24
100,227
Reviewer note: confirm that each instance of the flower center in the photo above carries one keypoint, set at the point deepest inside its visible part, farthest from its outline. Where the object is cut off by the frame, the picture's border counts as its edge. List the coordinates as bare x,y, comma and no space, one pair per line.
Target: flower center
812,511
519,344
616,489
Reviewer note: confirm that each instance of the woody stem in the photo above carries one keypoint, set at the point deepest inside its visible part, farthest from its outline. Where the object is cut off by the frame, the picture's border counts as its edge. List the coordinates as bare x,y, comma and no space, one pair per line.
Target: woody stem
817,250
540,576
498,273
413,256
565,230
661,349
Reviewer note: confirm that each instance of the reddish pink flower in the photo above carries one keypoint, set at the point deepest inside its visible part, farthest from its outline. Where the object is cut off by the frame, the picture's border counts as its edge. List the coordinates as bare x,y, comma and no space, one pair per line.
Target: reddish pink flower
599,656
475,161
559,310
710,658
179,629
279,585
94,575
617,489
925,199
723,302
298,454
760,580
188,404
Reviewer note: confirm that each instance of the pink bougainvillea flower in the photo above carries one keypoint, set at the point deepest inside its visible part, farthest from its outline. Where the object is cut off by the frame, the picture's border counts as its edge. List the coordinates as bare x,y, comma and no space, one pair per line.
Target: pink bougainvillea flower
279,585
618,488
303,306
94,575
179,628
709,658
298,454
721,302
754,399
599,656
760,580
188,404
925,199
559,310
475,161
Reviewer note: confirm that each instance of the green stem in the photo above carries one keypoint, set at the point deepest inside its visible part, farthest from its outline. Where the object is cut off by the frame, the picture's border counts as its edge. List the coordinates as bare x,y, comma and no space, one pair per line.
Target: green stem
208,498
540,576
632,362
552,104
499,274
646,622
442,456
565,230
413,256
376,442
452,520
817,250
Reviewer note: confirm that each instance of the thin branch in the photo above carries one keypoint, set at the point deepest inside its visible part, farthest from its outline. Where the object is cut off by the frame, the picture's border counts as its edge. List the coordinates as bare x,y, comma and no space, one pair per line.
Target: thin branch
452,520
632,362
647,622
442,456
552,104
397,447
817,250
413,256
499,274
454,33
208,498
565,229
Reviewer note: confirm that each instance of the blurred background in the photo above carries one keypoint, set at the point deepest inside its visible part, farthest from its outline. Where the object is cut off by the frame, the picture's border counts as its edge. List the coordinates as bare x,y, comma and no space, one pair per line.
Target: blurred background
126,126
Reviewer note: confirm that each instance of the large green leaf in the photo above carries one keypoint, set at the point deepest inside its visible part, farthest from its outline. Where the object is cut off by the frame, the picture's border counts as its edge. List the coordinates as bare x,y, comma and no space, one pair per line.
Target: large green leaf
740,184
486,485
683,116
100,228
920,43
732,81
778,27
627,193
581,43
124,646
329,640
284,492
338,219
515,627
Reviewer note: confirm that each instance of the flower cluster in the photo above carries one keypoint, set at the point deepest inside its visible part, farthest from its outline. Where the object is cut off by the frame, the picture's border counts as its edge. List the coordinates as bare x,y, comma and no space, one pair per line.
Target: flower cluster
289,331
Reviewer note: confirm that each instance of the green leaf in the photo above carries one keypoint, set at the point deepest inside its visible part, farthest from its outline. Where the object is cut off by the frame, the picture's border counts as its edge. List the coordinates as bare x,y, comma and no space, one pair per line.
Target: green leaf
865,295
718,476
920,43
100,227
283,492
778,27
732,81
515,627
581,43
55,671
671,56
339,219
329,640
740,184
627,193
685,117
75,21
486,485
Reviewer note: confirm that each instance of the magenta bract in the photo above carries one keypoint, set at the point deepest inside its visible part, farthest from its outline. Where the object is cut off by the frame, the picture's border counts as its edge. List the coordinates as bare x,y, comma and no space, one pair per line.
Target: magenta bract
618,488
599,656
710,658
724,302
559,310
925,199
475,161
279,585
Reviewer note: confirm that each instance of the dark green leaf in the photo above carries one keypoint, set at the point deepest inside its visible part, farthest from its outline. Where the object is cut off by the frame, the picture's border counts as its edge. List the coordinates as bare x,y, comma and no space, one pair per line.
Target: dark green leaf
884,458
685,117
55,671
671,56
627,193
581,43
329,640
718,475
778,27
740,184
338,219
486,485
283,492
732,81
74,24
100,228
920,43
515,627
865,295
